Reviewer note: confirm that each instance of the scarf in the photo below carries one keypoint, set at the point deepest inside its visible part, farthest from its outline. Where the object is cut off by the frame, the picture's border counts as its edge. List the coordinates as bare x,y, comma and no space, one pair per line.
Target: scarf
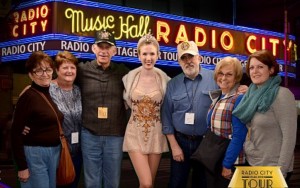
257,99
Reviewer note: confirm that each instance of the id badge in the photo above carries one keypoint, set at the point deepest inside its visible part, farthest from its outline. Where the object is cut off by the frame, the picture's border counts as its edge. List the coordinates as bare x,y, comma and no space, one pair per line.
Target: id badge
102,112
74,138
189,118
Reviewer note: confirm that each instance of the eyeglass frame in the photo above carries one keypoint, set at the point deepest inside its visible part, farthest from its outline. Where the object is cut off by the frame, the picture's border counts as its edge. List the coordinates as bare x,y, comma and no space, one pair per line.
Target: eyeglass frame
44,71
227,75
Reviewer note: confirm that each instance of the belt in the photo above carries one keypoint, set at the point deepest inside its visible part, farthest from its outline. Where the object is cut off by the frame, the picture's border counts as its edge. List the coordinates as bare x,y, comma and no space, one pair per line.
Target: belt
189,137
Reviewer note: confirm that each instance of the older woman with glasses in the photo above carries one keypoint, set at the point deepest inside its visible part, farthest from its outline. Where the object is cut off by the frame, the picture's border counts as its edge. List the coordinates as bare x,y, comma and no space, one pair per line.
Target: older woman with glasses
228,74
37,154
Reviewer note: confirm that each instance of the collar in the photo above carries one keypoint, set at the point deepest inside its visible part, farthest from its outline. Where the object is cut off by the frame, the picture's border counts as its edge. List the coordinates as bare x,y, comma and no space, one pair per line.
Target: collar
217,93
97,66
40,88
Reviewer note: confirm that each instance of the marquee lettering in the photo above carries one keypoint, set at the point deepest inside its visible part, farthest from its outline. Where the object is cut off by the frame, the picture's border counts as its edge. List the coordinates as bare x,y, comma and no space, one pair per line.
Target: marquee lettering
20,49
80,23
251,44
213,39
181,35
163,32
28,21
131,30
226,36
74,46
200,31
274,43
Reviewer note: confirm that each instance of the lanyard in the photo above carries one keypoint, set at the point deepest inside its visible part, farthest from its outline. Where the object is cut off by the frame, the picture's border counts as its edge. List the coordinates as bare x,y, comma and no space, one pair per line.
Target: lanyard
191,99
104,79
103,90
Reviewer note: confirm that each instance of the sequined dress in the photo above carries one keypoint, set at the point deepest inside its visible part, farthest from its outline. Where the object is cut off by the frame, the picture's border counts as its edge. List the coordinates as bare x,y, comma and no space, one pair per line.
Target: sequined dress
144,130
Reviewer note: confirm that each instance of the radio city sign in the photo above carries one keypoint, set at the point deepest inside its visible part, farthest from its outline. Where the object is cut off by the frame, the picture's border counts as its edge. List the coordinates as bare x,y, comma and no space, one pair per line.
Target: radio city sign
75,22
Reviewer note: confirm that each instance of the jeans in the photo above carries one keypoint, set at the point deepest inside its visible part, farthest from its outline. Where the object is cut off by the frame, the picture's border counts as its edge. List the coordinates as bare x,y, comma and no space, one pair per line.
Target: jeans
42,164
102,158
180,170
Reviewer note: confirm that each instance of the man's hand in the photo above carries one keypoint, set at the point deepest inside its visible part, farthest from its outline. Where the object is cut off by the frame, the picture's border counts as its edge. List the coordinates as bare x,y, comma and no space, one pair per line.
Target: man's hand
26,130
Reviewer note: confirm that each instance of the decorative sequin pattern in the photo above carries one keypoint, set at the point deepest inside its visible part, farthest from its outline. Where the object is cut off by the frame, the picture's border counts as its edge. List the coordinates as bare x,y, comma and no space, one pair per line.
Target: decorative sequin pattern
146,114
144,129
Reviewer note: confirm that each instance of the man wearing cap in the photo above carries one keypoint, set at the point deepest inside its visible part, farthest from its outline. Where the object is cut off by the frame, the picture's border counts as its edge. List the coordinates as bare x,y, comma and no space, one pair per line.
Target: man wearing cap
184,113
103,114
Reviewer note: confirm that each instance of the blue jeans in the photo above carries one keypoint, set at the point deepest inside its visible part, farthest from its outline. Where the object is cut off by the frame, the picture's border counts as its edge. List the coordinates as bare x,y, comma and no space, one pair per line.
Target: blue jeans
42,164
180,170
102,158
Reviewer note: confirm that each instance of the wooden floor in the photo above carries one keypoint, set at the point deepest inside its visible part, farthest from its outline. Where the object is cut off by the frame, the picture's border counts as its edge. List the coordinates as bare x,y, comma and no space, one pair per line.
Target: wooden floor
129,179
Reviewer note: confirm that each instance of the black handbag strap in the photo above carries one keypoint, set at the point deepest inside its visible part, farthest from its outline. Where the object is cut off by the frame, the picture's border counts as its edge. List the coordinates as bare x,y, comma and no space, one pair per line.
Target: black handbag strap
57,119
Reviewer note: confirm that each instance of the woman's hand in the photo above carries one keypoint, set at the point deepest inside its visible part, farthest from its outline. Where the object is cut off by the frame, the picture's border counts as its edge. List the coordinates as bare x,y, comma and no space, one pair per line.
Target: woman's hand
23,175
226,173
177,154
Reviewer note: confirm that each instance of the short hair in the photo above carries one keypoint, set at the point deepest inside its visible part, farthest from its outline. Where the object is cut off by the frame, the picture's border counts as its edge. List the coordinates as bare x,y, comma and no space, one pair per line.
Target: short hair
36,58
64,56
237,66
267,58
147,39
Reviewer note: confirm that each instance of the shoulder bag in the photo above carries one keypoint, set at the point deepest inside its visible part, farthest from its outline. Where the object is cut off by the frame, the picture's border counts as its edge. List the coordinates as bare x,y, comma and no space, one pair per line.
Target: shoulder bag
65,173
211,151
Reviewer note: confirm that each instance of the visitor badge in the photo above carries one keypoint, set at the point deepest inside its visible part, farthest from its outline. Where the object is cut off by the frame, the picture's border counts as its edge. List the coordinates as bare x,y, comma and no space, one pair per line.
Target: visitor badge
102,112
189,118
74,138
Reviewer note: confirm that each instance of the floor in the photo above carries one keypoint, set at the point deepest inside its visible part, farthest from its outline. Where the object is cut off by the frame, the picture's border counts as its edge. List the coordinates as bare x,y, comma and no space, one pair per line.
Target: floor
129,179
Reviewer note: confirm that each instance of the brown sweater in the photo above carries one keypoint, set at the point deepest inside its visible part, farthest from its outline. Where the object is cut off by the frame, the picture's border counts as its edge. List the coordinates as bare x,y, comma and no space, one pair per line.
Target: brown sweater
33,111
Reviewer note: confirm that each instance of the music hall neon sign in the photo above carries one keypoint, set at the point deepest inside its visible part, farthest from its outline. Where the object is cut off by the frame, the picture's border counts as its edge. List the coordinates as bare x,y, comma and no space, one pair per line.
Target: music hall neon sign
130,27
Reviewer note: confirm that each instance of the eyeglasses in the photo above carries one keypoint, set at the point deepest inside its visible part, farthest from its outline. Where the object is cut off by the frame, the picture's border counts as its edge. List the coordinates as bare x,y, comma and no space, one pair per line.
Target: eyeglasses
227,75
40,72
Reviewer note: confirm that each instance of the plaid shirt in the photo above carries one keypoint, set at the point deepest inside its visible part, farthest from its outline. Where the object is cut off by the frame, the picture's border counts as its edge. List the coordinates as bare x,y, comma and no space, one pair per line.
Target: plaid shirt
221,119
102,88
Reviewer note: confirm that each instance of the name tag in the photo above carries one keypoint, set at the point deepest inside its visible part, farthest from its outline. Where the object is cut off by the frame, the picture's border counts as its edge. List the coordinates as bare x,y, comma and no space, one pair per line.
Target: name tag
102,112
74,138
189,118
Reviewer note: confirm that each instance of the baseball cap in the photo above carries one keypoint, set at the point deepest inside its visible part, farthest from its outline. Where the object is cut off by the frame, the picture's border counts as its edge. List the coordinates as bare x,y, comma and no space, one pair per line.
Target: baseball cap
105,36
187,47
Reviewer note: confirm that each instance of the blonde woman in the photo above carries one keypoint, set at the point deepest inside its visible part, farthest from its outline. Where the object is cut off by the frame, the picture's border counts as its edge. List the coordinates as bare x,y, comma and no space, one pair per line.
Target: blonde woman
144,92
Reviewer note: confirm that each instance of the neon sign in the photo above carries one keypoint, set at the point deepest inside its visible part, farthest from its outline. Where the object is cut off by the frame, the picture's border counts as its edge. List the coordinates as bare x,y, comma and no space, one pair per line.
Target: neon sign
76,22
29,21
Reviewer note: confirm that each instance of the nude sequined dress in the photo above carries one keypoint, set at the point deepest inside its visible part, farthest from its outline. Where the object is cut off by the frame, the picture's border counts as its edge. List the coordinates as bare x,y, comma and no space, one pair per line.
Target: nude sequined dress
144,129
